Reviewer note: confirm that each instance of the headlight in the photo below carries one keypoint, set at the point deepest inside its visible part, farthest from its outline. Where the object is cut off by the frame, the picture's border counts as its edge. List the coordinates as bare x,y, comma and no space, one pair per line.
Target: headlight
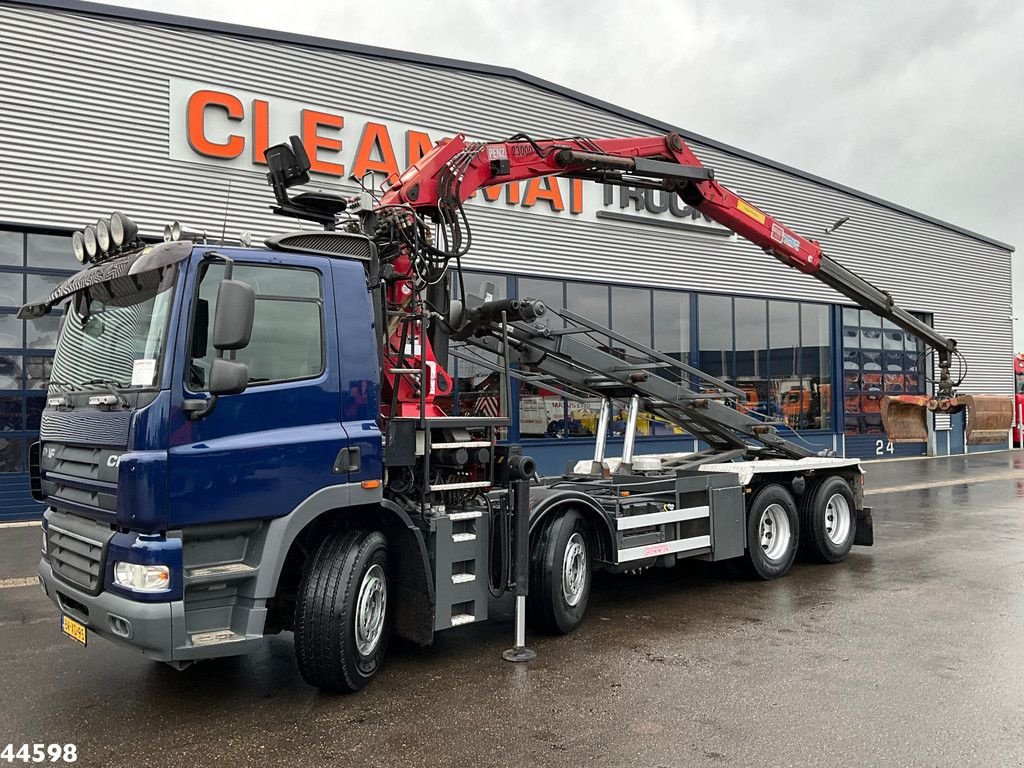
91,245
103,235
122,229
78,246
142,578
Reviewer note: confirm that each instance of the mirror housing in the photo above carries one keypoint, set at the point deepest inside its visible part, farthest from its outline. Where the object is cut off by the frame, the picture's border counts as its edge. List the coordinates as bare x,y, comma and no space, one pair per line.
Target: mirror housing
232,322
228,377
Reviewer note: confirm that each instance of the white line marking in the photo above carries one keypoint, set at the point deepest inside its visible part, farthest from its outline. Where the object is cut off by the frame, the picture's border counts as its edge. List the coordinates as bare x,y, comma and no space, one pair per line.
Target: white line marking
23,524
12,583
946,483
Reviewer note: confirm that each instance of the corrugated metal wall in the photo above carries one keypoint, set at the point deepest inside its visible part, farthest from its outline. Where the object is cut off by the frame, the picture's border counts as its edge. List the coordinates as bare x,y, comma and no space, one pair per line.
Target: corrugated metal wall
84,130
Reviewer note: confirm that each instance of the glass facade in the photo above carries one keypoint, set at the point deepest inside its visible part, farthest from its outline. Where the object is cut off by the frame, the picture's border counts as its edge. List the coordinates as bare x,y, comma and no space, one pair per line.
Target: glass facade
31,265
878,359
779,353
478,387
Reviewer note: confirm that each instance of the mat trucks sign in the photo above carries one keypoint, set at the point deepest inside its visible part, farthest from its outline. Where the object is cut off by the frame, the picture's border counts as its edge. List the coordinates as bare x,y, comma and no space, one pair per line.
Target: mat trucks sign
222,126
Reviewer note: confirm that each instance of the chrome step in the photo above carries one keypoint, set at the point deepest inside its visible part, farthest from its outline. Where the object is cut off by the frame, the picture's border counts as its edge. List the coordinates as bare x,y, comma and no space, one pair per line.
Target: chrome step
463,578
228,569
215,637
462,618
462,444
469,515
460,486
460,537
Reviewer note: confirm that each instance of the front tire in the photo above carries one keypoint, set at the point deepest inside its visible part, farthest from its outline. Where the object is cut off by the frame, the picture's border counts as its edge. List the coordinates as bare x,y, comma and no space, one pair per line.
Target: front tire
342,615
560,574
828,521
773,530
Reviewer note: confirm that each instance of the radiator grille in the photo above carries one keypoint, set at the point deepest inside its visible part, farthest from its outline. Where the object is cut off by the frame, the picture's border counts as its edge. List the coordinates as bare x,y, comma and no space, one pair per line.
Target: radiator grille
108,428
76,549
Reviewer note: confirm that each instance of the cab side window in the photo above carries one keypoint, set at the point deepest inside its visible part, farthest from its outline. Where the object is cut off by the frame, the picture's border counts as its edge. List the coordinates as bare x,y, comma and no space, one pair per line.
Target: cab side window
287,336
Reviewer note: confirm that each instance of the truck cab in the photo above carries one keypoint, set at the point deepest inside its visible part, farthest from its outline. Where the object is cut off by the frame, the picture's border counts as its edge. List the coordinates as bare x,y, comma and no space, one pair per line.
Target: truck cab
172,508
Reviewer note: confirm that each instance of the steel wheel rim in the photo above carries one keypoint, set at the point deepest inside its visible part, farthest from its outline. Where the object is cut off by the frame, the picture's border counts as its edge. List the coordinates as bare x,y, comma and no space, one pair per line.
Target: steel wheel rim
574,569
371,608
774,531
838,519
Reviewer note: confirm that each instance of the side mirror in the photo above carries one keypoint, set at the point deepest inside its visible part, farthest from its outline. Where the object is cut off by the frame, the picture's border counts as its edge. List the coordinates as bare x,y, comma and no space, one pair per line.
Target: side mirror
232,322
228,377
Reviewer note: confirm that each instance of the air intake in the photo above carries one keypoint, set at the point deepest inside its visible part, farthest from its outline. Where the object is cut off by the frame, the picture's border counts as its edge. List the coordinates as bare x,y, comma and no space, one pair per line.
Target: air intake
343,245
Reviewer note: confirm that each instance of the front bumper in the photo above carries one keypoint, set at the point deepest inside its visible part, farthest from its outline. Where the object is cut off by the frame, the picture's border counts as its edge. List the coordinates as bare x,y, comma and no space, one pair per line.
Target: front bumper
156,629
146,626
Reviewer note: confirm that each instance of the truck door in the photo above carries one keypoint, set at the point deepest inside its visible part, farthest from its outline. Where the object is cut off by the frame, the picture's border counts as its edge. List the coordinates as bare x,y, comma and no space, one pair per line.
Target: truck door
359,370
262,452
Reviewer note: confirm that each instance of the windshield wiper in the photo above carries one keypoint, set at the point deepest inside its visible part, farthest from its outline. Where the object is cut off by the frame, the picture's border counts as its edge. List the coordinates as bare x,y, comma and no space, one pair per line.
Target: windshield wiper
111,385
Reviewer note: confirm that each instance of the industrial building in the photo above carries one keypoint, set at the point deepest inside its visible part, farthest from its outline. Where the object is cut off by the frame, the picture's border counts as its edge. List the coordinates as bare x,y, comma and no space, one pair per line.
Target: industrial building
166,118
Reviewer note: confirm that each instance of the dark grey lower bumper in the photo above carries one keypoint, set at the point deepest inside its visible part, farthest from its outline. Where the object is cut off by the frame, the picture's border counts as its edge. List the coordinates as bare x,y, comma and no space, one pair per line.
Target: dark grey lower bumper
146,626
156,629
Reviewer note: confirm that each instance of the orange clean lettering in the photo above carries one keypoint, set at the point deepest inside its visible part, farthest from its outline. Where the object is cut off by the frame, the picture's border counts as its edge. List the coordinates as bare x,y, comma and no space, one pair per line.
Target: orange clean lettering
312,122
375,140
195,124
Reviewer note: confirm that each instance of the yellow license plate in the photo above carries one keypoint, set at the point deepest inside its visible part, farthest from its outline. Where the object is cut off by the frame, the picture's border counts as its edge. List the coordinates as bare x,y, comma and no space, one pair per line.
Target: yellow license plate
73,629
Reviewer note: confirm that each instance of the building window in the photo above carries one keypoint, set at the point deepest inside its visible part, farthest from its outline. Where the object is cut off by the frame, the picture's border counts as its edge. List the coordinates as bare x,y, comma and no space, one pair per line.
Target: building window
20,371
11,458
715,336
543,413
12,289
12,249
879,358
815,366
51,252
752,355
777,353
672,328
478,387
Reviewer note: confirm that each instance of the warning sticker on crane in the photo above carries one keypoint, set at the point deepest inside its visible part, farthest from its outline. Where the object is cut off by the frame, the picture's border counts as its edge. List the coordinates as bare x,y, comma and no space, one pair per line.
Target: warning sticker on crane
750,210
780,235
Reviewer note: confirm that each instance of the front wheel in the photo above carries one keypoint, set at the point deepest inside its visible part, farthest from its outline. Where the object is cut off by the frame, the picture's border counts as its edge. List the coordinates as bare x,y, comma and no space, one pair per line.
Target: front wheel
560,574
342,619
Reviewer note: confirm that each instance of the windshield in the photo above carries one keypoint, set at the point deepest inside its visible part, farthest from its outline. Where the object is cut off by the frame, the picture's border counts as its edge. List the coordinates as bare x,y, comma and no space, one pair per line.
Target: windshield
114,333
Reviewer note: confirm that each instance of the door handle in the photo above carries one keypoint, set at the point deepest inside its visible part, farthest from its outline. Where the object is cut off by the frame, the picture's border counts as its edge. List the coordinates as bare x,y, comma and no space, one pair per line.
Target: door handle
348,460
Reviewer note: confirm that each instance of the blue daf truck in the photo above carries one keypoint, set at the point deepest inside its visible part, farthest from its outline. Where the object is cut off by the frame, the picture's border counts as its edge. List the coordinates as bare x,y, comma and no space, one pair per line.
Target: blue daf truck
241,441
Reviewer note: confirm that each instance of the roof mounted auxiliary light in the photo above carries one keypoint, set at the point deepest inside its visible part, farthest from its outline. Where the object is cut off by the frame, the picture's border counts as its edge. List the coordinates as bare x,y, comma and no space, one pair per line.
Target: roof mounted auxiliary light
105,238
177,231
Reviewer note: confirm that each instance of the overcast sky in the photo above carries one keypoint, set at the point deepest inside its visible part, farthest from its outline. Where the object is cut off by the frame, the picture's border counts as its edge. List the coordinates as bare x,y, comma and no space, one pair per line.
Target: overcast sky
921,103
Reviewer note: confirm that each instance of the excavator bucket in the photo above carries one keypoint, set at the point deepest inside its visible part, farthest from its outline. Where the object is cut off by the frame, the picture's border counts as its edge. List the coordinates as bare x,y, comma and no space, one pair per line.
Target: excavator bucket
988,418
905,418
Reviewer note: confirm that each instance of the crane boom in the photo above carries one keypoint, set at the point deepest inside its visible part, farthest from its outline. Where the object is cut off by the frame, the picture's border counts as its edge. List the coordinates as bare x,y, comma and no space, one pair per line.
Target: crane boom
437,185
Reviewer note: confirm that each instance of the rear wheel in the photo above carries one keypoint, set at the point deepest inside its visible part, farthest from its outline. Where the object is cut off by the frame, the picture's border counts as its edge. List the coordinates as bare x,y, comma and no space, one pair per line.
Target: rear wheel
773,530
828,521
342,619
560,574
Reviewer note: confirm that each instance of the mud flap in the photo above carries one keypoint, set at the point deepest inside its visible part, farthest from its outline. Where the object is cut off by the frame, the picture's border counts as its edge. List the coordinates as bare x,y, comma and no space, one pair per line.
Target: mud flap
865,536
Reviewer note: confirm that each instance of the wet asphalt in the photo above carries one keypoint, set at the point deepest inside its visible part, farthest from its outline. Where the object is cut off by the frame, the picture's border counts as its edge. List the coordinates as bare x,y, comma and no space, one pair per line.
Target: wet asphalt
909,653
